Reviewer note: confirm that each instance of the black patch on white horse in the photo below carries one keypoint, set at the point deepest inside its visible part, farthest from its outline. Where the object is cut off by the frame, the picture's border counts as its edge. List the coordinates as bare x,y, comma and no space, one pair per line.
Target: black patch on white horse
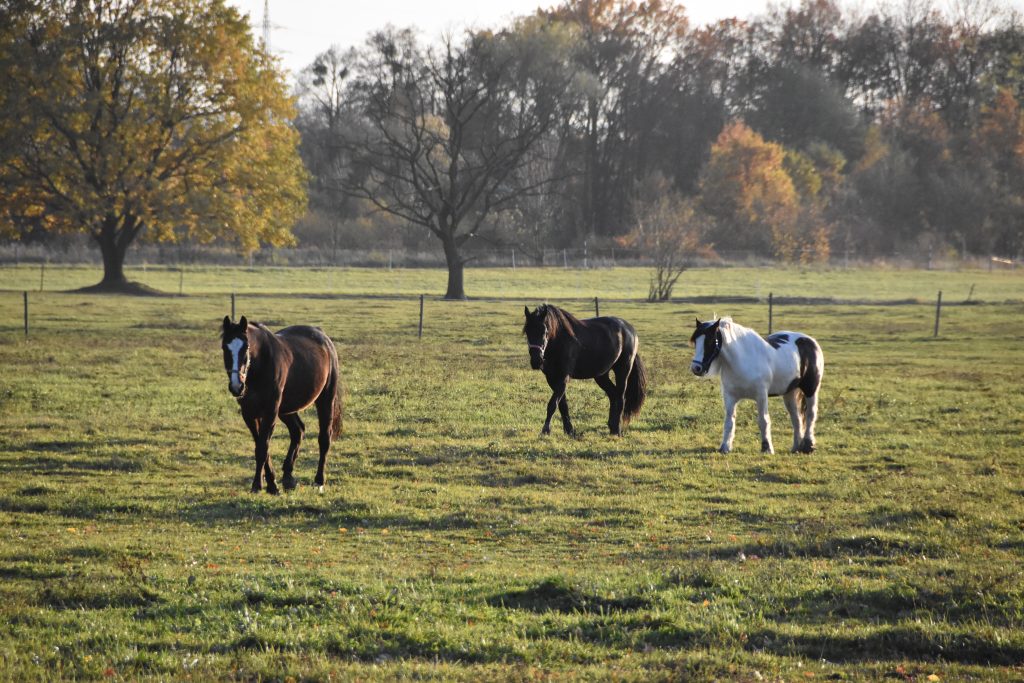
809,379
777,340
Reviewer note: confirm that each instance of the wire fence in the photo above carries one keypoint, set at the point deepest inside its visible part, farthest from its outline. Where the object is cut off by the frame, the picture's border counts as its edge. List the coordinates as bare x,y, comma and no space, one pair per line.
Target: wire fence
82,252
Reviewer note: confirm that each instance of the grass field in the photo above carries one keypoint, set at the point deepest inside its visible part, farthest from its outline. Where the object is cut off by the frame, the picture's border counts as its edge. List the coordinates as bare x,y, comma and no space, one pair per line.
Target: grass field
453,542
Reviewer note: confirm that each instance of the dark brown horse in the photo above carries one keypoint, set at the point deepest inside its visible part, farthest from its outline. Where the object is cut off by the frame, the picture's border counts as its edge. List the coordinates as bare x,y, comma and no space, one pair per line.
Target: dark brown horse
564,347
277,375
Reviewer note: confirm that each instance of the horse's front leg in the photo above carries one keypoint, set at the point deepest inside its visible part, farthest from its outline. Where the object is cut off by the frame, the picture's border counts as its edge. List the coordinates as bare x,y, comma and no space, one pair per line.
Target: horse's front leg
264,432
557,400
729,428
254,428
563,409
764,421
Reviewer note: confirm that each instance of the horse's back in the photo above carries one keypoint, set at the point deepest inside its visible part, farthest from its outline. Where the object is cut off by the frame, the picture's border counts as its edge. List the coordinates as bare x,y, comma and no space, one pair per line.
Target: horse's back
307,332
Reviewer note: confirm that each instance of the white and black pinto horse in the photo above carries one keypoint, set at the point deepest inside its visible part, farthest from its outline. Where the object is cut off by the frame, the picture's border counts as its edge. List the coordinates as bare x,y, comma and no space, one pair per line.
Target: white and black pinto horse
787,364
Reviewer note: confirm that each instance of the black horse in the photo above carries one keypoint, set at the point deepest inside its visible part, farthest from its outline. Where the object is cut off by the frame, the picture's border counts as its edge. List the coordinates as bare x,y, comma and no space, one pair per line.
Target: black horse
277,375
563,347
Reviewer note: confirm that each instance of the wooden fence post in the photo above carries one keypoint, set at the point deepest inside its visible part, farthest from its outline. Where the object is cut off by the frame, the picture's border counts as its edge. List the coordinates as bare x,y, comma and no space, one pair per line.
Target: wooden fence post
770,312
232,306
25,294
938,313
419,333
597,308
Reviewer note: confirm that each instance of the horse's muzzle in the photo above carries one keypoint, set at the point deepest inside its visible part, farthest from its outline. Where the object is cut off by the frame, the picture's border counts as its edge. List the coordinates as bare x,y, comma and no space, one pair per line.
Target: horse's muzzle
237,389
698,369
536,360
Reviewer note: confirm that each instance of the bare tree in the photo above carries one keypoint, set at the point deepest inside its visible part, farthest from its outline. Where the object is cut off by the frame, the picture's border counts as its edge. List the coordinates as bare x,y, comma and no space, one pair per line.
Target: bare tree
445,133
667,230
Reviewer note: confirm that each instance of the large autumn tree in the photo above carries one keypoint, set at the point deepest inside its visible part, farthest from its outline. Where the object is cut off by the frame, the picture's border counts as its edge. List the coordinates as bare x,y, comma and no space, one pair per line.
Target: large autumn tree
120,118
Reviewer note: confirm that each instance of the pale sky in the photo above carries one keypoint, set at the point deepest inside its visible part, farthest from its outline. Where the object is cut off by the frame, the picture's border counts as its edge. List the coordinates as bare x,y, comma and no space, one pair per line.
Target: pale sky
302,29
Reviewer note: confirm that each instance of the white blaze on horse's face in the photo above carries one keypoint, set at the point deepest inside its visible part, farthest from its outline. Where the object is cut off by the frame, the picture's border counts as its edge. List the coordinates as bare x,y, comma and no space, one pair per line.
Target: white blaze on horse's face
707,343
698,355
239,365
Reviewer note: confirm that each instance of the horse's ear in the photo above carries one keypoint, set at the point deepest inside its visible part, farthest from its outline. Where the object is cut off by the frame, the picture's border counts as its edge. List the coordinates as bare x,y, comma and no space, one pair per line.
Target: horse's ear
699,323
526,309
226,324
243,323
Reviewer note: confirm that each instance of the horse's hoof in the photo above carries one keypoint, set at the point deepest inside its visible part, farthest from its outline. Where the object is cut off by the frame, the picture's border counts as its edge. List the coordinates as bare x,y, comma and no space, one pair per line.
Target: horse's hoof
724,450
273,490
320,489
255,489
290,484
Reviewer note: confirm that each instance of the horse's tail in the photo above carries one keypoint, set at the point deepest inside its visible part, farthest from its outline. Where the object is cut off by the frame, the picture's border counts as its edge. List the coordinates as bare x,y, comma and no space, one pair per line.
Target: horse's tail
338,411
636,389
338,404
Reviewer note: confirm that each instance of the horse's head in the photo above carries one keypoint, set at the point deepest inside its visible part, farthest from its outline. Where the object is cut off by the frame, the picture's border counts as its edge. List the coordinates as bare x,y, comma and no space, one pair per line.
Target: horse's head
538,334
235,344
706,341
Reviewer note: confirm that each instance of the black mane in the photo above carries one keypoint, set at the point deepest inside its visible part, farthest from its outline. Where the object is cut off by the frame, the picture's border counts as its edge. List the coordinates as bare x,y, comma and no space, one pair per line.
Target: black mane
561,319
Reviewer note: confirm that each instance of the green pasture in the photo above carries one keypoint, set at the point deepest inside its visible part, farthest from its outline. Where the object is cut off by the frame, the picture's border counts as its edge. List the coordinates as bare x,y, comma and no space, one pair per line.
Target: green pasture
865,285
454,542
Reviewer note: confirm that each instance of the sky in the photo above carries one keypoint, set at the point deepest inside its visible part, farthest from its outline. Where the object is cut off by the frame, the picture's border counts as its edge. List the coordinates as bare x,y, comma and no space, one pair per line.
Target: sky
302,29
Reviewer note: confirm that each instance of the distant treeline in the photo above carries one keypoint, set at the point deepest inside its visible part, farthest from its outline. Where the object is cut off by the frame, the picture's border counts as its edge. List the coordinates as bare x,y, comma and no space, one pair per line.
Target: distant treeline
810,131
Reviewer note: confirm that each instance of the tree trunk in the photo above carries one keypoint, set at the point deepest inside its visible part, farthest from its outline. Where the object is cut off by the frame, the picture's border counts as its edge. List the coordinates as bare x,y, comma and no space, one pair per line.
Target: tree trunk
113,244
113,263
456,270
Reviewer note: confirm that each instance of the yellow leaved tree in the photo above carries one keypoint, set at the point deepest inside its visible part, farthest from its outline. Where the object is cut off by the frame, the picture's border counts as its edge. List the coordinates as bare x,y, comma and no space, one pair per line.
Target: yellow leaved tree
123,118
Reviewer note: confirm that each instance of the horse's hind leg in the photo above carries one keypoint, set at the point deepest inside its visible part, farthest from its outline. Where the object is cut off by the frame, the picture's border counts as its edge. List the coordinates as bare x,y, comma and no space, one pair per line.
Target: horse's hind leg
324,414
296,430
810,417
615,398
792,401
764,421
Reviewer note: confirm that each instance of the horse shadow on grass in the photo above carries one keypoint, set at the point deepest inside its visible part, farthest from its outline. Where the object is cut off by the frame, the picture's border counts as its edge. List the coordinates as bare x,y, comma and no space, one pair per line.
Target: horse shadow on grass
556,595
310,516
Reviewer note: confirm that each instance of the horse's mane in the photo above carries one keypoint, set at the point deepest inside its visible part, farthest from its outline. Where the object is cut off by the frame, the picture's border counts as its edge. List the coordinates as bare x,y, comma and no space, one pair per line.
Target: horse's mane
732,331
252,323
561,319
